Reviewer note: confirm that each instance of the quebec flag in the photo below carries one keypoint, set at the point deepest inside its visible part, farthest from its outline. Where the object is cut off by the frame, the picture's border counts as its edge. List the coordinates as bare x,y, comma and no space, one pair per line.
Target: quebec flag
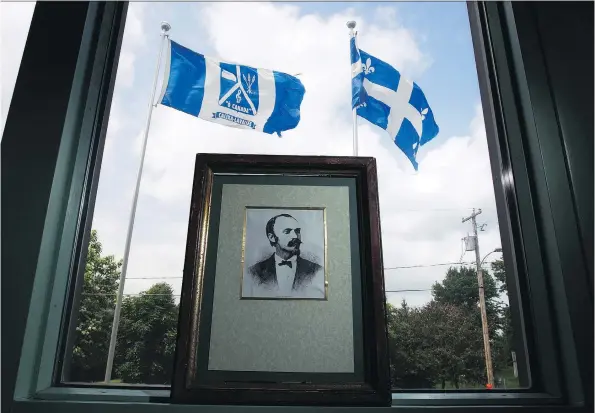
381,96
231,94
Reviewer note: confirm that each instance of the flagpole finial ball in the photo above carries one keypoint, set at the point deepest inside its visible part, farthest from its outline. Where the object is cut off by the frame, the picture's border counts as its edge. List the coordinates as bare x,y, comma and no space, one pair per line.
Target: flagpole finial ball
351,24
165,26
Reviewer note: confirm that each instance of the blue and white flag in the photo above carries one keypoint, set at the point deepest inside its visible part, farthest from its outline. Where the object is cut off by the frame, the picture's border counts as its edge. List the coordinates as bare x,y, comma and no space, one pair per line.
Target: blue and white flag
381,96
231,94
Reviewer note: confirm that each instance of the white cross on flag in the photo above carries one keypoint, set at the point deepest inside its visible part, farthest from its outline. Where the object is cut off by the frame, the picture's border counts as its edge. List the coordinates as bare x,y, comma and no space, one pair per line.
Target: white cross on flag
397,105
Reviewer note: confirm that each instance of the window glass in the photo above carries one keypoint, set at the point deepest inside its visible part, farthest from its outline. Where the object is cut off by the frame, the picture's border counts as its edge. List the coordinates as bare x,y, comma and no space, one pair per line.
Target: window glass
15,19
430,255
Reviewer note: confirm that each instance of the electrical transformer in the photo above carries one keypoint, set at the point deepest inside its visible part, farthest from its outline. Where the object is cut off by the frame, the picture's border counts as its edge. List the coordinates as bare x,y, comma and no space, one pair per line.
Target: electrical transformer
470,243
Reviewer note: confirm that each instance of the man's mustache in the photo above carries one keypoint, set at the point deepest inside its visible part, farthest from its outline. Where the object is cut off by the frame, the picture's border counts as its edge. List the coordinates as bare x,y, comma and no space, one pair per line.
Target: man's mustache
294,243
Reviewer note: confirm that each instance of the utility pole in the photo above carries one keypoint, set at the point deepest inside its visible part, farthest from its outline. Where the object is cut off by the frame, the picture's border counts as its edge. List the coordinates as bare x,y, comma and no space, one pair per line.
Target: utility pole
482,302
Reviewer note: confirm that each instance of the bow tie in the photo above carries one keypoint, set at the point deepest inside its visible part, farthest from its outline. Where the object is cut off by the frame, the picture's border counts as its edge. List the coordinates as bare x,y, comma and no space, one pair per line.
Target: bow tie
286,262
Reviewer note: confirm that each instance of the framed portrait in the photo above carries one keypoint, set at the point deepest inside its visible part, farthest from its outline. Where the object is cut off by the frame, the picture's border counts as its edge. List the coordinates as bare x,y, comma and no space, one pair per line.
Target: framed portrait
283,253
283,290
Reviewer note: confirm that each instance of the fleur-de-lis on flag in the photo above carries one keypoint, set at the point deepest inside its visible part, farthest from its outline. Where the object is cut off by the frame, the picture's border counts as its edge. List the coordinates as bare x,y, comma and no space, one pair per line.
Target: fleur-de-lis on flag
368,68
424,113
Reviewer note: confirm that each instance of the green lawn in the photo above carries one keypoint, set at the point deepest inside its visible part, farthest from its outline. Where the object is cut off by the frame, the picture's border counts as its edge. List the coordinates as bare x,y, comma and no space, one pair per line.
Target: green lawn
510,382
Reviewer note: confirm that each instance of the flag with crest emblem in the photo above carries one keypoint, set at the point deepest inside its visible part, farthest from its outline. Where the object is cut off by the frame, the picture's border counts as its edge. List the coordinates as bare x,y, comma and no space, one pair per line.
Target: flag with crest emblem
231,94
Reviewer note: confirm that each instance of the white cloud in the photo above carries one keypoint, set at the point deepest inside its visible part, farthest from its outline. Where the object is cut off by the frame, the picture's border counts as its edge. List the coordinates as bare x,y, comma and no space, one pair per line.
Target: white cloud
421,212
15,19
134,31
125,75
308,44
135,42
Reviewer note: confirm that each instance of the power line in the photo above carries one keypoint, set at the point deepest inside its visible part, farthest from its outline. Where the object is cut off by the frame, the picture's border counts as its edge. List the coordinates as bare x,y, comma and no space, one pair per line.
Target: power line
407,291
431,209
462,250
435,265
428,265
386,268
152,278
179,295
131,294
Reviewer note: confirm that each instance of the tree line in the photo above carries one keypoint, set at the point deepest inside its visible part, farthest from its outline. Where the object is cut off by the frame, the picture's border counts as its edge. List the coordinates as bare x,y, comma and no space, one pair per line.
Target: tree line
434,346
440,345
147,331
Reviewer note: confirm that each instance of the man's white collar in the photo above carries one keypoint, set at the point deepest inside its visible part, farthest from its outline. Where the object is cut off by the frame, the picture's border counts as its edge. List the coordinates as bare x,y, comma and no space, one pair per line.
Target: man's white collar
278,259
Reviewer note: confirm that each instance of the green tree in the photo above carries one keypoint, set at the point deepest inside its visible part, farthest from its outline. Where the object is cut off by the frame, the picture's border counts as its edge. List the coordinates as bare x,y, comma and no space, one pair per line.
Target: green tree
410,367
92,335
459,287
504,343
147,336
456,343
434,344
500,275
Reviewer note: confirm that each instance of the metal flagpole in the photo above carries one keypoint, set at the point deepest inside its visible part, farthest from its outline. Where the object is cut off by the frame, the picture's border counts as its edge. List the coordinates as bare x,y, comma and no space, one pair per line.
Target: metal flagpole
165,27
351,26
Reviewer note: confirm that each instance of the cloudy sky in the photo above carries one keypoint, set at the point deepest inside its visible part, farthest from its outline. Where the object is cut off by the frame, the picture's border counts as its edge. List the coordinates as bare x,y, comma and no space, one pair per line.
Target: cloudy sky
15,19
421,212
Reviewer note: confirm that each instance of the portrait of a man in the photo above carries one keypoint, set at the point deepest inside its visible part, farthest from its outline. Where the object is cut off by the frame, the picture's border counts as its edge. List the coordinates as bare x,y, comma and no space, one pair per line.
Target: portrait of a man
282,254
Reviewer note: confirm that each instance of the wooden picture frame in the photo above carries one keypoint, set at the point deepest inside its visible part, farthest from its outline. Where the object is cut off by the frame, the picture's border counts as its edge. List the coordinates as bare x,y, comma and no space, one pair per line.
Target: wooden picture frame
195,380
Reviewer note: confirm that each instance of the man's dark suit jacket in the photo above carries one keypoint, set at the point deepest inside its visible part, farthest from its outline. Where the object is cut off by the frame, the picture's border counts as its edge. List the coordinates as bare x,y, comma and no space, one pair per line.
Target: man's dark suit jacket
265,273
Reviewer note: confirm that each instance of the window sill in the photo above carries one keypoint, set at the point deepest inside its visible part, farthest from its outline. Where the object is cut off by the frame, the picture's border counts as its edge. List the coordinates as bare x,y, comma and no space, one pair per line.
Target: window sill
95,400
102,394
483,398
